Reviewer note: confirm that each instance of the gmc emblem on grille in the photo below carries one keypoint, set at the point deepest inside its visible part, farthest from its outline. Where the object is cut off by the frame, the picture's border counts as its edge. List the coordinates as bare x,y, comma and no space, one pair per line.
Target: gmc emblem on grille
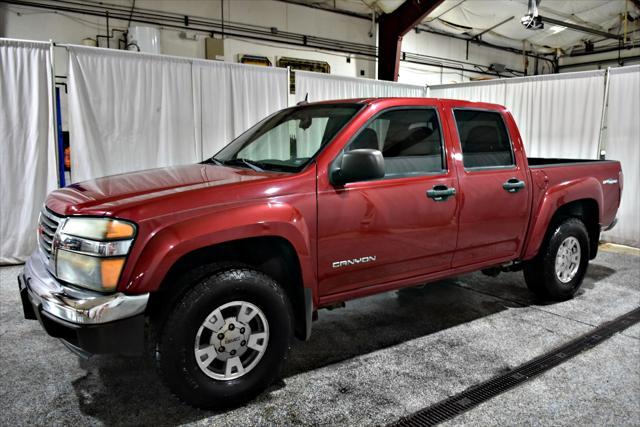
355,261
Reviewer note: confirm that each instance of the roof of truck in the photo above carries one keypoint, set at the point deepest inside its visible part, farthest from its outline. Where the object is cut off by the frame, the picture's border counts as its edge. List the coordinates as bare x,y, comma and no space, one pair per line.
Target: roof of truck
461,102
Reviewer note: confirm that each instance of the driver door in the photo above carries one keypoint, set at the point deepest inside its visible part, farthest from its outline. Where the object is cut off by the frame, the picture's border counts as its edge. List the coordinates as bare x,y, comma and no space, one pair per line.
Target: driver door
377,232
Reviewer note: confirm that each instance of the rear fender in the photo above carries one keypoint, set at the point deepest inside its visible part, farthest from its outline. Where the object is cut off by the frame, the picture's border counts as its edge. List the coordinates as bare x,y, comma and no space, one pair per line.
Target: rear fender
554,198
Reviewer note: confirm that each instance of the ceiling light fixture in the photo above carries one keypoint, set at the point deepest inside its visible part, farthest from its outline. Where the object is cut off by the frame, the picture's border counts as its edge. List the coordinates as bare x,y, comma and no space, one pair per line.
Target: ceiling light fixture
532,20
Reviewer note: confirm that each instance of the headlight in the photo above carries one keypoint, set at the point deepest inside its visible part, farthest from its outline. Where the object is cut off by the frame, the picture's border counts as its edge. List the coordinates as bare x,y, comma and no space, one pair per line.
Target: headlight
91,252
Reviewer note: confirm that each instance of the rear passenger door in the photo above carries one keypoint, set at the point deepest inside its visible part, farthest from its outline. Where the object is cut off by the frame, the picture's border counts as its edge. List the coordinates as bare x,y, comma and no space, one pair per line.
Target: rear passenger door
494,185
389,229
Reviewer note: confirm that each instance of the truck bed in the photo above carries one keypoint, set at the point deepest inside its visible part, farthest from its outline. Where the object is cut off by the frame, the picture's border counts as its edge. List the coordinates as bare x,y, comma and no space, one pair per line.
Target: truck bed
573,175
539,162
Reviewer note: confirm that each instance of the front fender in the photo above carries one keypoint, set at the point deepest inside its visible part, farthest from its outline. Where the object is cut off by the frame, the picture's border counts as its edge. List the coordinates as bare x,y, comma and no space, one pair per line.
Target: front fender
553,198
168,244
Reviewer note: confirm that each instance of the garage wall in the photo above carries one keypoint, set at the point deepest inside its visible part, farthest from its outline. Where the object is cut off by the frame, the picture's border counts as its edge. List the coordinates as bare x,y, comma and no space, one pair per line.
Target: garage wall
609,59
38,24
445,49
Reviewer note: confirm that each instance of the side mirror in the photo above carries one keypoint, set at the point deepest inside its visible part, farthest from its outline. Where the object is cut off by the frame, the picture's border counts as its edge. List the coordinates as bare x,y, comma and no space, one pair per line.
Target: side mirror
357,165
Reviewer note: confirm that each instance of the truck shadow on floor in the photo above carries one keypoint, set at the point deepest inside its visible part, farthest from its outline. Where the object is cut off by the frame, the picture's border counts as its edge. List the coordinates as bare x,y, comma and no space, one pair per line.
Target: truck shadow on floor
369,324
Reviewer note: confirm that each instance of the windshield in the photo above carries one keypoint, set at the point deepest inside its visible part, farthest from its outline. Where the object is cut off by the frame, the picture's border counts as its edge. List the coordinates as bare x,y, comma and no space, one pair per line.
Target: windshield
287,140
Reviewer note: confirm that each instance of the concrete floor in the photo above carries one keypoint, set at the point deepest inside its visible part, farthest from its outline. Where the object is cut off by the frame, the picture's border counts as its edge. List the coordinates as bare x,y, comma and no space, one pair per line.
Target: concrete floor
381,358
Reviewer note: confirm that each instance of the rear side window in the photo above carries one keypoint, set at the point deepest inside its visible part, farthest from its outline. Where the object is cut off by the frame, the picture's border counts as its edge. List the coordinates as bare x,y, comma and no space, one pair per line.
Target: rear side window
484,139
409,139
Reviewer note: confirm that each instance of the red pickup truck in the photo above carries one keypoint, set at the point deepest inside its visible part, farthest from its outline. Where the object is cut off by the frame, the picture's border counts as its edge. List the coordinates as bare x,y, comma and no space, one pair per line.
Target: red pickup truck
218,264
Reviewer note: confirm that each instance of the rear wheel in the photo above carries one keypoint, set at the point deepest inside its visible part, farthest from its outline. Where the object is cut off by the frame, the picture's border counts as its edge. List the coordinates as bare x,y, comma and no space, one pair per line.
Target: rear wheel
227,339
558,270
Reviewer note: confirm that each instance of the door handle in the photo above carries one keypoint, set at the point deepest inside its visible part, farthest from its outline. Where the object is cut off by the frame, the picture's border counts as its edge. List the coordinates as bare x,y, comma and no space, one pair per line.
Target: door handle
440,193
513,185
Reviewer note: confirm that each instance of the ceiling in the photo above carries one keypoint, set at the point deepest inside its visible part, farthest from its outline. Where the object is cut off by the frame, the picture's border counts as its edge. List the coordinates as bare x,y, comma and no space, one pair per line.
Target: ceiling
468,18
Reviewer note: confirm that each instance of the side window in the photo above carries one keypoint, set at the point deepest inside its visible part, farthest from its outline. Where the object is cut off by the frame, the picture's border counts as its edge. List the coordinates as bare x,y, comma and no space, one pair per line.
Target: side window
484,139
409,139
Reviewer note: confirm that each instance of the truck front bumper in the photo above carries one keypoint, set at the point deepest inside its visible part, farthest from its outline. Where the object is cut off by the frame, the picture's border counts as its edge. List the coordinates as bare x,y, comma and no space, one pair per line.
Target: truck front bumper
87,322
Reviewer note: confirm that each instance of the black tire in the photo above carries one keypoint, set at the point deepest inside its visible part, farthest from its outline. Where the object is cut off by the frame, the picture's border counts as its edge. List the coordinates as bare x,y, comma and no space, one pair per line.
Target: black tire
540,273
175,349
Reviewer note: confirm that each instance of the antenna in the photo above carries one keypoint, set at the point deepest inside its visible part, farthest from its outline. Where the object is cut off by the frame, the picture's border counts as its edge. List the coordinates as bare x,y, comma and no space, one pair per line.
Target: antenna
305,100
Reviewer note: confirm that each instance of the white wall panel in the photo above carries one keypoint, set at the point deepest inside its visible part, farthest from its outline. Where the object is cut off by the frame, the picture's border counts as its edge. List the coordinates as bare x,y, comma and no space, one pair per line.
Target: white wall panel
558,115
493,91
129,111
235,97
27,148
132,111
623,143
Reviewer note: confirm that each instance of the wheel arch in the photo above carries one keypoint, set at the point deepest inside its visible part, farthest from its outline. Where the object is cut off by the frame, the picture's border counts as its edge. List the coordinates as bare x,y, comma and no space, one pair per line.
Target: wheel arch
272,255
586,209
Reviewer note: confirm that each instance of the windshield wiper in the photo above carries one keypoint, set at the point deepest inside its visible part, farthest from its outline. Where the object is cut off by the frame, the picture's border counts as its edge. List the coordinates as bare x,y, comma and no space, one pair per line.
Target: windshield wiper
251,164
214,161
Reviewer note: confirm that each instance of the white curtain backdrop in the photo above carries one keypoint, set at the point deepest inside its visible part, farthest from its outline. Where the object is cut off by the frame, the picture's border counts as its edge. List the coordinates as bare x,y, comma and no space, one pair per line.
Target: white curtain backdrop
493,91
558,115
129,111
27,148
622,138
234,97
322,87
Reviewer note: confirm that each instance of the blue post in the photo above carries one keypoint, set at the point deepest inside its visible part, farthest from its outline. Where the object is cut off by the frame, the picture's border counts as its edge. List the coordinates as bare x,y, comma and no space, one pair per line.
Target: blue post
60,140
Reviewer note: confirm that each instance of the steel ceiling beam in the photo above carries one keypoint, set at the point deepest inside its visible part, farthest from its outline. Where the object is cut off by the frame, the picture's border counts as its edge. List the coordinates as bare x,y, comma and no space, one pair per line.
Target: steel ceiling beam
580,28
392,27
448,10
494,27
322,6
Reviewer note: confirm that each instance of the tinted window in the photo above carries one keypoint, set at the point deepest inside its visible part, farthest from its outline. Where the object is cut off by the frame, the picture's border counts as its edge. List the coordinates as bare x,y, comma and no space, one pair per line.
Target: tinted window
410,141
484,139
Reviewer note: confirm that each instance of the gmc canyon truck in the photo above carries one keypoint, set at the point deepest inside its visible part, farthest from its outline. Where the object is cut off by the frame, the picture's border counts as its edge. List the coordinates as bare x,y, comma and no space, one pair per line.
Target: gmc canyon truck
214,267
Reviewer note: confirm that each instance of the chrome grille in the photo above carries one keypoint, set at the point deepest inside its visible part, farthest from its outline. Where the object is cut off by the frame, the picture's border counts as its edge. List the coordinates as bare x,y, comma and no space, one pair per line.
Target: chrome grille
49,223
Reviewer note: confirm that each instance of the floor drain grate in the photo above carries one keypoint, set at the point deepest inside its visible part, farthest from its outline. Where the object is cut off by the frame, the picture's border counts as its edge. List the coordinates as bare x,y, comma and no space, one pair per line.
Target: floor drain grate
475,395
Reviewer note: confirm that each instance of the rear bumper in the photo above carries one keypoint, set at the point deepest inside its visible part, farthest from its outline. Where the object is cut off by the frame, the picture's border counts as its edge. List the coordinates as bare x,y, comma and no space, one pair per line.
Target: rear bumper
88,322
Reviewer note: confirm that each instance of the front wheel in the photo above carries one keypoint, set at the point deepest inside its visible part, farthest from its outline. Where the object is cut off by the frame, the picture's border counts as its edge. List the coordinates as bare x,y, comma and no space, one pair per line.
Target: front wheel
227,339
559,269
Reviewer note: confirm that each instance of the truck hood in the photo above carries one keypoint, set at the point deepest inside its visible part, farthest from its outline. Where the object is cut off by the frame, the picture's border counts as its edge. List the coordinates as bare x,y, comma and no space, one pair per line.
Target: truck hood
110,194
